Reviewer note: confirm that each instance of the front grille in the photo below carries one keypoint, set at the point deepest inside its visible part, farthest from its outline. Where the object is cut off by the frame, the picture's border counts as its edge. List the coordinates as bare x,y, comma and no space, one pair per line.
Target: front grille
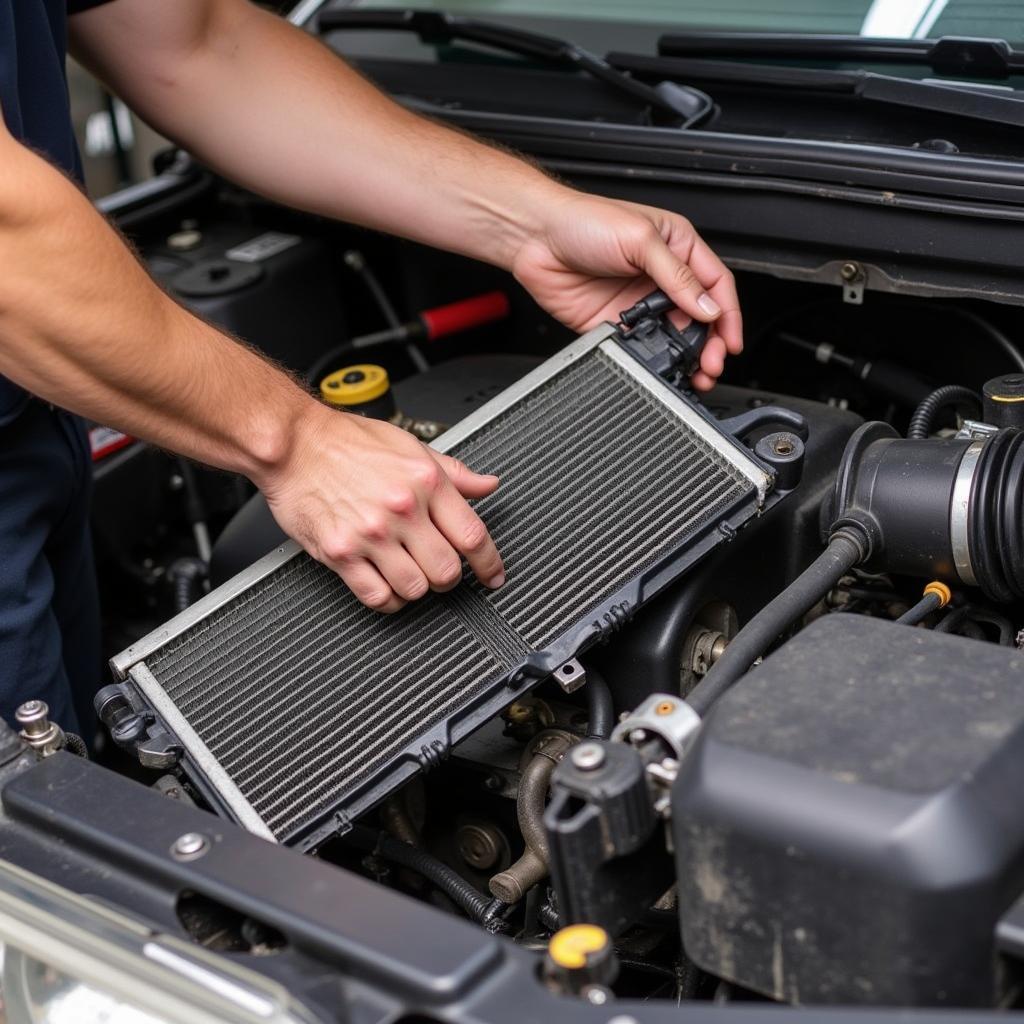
297,706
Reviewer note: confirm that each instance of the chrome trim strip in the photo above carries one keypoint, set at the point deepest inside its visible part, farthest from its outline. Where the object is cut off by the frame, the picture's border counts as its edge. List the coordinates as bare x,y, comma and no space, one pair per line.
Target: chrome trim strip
959,512
152,642
759,478
516,392
199,752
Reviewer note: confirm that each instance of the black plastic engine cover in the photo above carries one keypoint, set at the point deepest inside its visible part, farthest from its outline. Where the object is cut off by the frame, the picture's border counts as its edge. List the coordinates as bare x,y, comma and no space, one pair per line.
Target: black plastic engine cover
848,824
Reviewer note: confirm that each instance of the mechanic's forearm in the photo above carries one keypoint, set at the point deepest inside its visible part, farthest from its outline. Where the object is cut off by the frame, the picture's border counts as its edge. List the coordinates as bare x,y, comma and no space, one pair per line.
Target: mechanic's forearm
270,107
82,325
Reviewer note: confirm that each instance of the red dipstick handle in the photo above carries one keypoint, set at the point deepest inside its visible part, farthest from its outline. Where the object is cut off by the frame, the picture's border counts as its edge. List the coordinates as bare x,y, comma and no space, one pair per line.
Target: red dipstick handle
464,314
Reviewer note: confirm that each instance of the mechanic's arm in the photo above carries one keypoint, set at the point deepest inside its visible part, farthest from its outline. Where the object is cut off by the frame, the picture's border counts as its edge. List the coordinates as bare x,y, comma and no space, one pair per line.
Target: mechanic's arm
273,109
84,326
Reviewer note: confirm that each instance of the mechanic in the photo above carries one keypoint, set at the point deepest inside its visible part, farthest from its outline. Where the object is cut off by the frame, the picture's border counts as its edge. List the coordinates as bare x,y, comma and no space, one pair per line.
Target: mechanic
83,327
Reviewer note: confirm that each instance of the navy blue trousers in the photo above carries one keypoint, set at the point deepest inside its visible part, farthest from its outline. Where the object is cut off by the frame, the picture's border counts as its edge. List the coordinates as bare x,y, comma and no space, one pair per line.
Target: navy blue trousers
49,608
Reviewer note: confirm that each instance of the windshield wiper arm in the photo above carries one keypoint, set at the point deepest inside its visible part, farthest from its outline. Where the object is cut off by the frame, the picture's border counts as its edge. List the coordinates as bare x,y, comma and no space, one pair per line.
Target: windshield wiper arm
684,105
983,104
950,55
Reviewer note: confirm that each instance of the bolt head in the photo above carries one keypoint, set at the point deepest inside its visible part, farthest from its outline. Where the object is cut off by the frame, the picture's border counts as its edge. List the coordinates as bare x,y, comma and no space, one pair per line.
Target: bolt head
190,846
588,757
32,711
849,271
34,718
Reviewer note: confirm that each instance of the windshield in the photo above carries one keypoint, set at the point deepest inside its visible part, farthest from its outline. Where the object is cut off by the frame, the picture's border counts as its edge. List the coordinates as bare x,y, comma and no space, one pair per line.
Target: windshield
903,19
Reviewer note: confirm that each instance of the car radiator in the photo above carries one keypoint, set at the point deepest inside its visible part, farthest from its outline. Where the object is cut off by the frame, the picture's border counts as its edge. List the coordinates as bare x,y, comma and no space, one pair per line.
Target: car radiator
296,708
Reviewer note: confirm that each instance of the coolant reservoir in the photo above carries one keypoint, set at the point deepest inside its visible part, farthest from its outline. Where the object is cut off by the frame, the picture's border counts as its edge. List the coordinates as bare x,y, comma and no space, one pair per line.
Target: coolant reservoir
366,390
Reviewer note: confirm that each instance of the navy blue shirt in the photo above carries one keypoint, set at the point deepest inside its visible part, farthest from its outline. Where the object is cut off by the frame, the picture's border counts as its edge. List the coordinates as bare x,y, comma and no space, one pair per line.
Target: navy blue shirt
34,99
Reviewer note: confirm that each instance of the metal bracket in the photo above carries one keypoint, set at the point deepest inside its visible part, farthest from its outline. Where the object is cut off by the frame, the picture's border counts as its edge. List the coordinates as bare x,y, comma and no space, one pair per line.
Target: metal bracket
854,282
570,676
974,430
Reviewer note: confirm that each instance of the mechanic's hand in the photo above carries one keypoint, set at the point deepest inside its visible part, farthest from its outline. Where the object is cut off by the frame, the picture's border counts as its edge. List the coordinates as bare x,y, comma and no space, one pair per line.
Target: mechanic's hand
383,510
595,257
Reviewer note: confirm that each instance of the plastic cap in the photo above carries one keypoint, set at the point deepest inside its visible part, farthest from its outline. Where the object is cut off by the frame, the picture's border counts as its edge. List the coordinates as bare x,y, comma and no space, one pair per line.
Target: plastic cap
571,947
355,385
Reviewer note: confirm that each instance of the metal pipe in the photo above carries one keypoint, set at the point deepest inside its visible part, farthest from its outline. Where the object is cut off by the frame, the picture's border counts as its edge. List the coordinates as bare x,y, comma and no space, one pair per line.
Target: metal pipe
512,884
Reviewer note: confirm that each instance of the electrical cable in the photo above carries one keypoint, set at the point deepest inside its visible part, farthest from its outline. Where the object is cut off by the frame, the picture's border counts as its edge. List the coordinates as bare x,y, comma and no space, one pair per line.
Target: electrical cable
994,334
355,261
922,423
463,894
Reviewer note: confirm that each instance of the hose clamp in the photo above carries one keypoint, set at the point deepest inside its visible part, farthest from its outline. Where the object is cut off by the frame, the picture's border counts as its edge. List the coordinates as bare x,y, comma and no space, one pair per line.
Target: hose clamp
662,715
959,512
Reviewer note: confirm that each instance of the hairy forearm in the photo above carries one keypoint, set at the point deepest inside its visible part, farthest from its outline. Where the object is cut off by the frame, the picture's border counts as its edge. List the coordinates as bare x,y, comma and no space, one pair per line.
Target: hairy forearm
82,325
276,111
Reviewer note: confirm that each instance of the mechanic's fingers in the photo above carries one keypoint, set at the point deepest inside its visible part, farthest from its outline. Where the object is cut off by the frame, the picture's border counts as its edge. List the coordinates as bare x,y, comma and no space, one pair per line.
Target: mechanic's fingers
466,532
400,570
679,282
467,483
701,381
367,584
721,286
712,358
437,559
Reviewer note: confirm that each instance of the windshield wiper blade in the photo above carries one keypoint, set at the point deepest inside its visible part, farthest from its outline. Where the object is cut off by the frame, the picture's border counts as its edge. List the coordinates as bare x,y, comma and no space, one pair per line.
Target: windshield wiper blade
950,55
1002,107
685,106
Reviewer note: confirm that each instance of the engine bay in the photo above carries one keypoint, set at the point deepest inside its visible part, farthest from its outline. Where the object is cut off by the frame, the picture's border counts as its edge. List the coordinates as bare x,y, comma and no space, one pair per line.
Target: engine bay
836,825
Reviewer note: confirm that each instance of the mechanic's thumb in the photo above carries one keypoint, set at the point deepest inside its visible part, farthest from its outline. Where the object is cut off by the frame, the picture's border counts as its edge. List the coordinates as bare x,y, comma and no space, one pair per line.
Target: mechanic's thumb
467,483
679,283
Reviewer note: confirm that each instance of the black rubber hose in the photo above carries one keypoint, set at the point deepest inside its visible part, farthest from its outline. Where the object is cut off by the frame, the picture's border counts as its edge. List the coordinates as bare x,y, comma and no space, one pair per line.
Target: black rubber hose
923,421
912,616
76,745
844,551
465,896
187,574
548,917
1003,624
967,615
600,710
952,619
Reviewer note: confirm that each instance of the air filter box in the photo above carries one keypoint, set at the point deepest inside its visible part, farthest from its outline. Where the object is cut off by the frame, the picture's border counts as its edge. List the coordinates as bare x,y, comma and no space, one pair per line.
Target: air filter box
848,825
294,709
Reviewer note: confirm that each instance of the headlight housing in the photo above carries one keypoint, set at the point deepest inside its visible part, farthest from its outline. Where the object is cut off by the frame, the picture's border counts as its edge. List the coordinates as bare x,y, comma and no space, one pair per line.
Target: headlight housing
71,960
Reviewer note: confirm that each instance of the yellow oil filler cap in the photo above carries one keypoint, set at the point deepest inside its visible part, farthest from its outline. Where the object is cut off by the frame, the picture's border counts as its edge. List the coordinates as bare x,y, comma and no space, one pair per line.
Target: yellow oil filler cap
581,960
355,385
572,947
